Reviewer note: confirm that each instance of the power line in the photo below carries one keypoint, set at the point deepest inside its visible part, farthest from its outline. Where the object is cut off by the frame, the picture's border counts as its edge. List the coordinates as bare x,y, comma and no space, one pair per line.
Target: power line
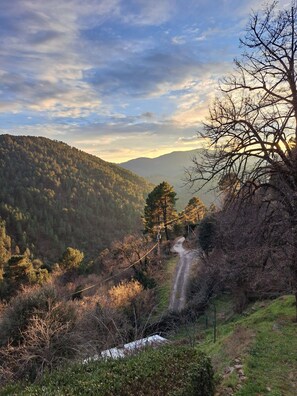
179,217
137,261
119,273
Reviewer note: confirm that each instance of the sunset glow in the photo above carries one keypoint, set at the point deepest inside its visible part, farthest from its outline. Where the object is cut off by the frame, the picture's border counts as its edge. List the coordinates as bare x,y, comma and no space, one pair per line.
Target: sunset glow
118,79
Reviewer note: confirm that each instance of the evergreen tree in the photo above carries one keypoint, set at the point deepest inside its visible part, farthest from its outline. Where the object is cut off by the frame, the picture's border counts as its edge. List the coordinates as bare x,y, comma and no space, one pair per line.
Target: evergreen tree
159,209
19,270
5,247
207,233
71,259
194,211
53,196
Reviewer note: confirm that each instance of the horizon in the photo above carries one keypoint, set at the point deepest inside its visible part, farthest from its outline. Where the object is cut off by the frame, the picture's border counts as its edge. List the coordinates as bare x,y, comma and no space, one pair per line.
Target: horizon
117,79
116,163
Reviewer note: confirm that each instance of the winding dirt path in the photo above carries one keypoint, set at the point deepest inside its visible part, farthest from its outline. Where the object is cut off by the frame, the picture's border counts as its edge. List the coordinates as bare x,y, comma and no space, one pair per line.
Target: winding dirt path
178,294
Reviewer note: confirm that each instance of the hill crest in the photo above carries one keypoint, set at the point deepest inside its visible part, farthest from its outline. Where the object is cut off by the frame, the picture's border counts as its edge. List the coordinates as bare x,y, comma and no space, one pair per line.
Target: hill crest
171,167
53,196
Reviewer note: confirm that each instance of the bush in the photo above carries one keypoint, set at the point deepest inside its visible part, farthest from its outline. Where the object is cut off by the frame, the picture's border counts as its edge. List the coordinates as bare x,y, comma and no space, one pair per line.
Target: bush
21,308
200,380
37,334
170,370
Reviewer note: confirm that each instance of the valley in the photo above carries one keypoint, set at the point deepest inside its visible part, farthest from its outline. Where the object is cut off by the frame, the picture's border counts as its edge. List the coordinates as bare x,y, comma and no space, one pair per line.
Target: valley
138,279
172,168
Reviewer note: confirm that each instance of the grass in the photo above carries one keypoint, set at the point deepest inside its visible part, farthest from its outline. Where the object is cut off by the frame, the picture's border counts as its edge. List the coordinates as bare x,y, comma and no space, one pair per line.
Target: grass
271,365
203,327
165,285
265,340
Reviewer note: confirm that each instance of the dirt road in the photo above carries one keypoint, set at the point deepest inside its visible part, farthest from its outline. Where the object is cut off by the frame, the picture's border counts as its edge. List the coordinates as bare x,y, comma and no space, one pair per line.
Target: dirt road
178,294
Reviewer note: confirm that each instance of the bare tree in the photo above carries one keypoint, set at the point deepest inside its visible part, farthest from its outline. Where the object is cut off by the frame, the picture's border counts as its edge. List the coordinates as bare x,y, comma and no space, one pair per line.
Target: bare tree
252,127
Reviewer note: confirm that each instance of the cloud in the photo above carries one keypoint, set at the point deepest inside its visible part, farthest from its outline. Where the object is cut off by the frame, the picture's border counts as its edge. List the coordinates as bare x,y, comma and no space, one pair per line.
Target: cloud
189,139
59,98
115,77
178,40
148,12
42,58
148,115
47,50
115,142
154,73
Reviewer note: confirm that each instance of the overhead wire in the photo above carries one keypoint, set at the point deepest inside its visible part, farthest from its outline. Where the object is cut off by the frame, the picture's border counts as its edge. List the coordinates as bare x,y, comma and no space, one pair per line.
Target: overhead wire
135,262
119,273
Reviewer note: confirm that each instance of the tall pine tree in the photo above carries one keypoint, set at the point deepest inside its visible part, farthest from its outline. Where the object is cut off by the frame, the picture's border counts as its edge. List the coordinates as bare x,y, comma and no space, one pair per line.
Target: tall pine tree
159,209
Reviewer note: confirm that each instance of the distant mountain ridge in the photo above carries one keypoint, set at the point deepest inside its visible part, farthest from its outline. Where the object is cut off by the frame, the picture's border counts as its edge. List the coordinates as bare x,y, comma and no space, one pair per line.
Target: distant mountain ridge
53,196
171,168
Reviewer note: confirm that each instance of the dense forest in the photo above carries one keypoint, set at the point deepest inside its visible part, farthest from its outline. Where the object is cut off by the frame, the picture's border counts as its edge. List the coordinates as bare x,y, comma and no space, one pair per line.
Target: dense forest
53,196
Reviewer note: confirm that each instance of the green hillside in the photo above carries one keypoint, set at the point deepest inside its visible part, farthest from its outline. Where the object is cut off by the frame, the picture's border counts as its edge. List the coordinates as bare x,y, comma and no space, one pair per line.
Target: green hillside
53,196
171,168
255,352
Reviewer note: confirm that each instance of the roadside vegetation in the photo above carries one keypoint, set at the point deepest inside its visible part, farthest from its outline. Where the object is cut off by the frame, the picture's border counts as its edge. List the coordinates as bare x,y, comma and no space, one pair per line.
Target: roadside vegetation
165,371
165,283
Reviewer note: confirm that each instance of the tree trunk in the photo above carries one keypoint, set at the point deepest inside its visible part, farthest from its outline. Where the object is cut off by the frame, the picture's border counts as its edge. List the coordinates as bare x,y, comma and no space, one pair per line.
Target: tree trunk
294,257
166,232
165,219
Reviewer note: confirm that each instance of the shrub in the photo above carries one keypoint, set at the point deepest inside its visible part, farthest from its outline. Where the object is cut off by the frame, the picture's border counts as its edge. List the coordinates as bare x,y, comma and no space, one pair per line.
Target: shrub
123,293
170,370
200,379
37,333
21,308
48,342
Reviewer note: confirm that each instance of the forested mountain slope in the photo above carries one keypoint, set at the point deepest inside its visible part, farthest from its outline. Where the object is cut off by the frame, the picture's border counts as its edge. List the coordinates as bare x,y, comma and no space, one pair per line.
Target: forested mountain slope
171,168
53,196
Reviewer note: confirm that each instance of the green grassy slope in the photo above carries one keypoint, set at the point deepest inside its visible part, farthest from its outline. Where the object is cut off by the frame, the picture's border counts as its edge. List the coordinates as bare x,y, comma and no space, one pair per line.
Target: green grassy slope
263,341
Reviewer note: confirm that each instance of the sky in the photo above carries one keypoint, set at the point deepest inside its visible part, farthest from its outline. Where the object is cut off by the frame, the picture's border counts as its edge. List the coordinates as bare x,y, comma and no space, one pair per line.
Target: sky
119,79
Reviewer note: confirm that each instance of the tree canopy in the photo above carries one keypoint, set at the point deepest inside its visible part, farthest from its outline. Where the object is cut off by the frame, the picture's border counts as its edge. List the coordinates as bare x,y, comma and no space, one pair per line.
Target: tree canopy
159,209
71,259
53,196
194,211
252,126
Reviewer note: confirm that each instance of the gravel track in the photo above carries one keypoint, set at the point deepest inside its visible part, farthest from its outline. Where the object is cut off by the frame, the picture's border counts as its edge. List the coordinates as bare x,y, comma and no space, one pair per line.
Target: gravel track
178,294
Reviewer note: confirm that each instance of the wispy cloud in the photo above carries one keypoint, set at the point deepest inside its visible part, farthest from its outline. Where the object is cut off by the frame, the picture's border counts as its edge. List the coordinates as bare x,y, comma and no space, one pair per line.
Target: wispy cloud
148,12
117,78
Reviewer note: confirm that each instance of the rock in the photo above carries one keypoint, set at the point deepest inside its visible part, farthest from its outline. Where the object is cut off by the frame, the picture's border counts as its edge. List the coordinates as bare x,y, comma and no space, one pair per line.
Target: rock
241,373
243,378
268,389
238,366
237,360
229,370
